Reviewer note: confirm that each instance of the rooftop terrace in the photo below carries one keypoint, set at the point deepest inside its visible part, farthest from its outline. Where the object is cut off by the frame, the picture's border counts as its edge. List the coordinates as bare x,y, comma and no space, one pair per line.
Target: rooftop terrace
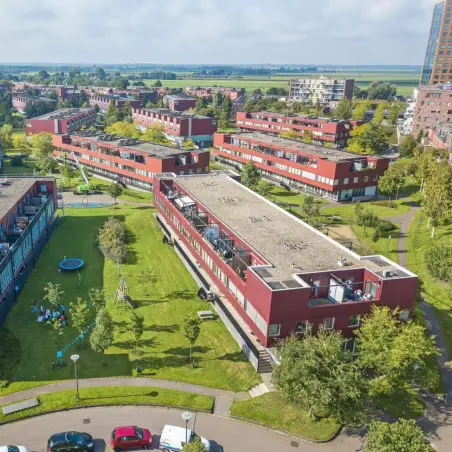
325,153
287,243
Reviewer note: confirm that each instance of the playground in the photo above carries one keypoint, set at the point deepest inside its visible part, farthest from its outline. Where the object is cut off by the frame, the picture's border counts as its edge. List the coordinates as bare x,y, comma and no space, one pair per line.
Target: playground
160,287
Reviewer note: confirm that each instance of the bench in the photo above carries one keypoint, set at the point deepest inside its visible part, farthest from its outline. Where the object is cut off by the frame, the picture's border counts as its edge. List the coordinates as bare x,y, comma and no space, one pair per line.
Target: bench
206,315
19,406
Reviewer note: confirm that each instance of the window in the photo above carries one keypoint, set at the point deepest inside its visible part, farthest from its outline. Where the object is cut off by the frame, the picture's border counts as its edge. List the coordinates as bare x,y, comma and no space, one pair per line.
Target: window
366,178
404,315
302,327
328,323
355,180
346,181
274,329
353,321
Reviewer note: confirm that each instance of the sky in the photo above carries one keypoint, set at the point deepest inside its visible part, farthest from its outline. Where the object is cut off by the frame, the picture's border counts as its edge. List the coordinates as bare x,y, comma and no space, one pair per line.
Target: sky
339,32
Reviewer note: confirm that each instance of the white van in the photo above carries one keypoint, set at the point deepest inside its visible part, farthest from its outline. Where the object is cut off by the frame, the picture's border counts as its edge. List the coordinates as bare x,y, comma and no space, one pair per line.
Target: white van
173,438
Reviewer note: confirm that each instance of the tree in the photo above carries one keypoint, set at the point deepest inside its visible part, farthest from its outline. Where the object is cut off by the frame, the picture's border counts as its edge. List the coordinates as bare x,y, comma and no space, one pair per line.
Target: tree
391,182
310,207
112,113
407,146
100,73
388,350
136,328
79,315
192,328
97,298
381,91
111,241
194,446
379,114
158,84
225,113
368,139
42,145
68,172
367,219
291,134
6,133
394,112
360,111
57,329
43,75
103,335
156,134
307,136
115,191
124,129
344,109
401,436
317,374
54,295
250,176
264,187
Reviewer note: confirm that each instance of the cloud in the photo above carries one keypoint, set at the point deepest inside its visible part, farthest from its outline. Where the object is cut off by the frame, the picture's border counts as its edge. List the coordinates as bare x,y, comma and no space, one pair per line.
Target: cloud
216,31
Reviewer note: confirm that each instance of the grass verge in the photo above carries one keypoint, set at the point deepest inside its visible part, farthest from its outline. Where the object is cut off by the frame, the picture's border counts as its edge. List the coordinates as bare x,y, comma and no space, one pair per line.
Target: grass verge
119,395
272,411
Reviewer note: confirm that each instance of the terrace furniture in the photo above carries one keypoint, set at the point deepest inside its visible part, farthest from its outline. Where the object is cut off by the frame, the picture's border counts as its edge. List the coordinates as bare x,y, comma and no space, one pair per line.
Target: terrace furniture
206,315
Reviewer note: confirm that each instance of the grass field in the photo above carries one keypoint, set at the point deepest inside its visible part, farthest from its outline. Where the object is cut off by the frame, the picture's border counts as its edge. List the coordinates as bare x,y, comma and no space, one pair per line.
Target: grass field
119,395
272,411
405,81
348,210
165,294
437,293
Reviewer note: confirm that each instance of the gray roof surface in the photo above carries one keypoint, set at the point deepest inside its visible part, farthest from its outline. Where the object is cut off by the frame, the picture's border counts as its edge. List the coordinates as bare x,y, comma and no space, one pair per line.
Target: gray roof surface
63,113
10,194
290,245
323,152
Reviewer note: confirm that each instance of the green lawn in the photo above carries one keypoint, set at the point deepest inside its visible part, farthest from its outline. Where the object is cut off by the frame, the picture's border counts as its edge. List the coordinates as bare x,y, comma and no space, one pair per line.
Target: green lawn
272,411
27,168
348,210
384,246
437,293
163,290
119,395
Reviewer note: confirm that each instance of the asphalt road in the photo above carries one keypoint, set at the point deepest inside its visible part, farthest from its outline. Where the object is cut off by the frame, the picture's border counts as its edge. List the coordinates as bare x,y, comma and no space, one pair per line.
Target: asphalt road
225,434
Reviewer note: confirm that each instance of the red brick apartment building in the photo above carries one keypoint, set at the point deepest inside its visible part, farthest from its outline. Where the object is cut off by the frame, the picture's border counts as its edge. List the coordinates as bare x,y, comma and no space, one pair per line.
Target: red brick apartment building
66,120
179,126
128,160
20,101
179,102
323,130
271,273
332,173
232,93
103,101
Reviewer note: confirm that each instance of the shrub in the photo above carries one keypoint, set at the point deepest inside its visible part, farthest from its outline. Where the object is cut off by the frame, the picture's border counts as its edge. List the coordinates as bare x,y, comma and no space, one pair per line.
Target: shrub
4,384
16,160
386,226
438,259
385,203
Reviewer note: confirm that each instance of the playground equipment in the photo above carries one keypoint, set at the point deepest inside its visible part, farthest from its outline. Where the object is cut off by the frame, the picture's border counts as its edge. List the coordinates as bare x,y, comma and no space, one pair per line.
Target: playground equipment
83,189
122,295
71,264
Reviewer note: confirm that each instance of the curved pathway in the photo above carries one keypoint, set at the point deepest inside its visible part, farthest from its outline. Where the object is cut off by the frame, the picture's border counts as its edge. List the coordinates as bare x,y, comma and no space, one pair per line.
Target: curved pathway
223,398
225,434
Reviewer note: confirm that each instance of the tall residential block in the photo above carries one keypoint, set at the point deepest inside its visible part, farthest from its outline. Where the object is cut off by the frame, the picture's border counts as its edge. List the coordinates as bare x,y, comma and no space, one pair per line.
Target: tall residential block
324,90
437,64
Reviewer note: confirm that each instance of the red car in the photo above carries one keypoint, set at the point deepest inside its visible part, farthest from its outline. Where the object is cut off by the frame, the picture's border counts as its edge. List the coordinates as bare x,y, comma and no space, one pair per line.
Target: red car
130,437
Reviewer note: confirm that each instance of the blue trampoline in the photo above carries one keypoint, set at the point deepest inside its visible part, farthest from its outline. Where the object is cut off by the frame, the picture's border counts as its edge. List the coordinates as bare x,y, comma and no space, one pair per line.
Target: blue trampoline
71,264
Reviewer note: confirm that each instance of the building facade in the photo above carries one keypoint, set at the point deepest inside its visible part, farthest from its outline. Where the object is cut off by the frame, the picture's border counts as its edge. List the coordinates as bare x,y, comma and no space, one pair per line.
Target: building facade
103,101
323,90
437,66
127,160
66,120
323,130
232,93
429,106
179,102
271,271
20,101
332,173
179,126
27,210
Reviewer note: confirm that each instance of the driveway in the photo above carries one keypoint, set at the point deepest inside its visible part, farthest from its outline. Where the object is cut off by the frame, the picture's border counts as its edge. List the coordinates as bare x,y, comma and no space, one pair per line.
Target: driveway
226,434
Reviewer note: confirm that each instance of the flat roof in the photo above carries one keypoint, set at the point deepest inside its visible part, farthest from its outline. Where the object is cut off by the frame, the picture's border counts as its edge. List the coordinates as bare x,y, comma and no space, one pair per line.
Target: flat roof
64,113
153,149
287,243
174,114
323,152
16,188
304,117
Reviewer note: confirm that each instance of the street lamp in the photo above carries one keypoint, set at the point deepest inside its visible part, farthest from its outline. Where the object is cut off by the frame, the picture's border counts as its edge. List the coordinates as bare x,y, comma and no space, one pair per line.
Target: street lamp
186,416
75,358
415,367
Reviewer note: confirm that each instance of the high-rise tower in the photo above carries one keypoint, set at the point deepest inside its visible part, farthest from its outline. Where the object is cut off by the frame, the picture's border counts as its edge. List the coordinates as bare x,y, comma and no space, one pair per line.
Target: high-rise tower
437,64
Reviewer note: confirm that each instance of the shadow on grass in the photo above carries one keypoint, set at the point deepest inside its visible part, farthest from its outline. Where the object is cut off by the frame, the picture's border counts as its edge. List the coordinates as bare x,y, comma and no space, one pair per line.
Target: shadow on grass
130,344
115,396
185,351
181,294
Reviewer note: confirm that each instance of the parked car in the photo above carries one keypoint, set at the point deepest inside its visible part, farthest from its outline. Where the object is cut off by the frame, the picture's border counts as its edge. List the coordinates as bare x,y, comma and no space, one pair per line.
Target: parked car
173,438
70,442
13,449
130,437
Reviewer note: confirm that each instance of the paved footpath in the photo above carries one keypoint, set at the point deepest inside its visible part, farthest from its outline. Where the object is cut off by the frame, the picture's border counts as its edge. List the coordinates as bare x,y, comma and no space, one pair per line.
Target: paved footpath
223,399
225,434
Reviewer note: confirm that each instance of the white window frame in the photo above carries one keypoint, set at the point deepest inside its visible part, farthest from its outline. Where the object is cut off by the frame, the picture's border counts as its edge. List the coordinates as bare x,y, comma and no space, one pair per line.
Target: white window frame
324,323
303,331
279,329
359,321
